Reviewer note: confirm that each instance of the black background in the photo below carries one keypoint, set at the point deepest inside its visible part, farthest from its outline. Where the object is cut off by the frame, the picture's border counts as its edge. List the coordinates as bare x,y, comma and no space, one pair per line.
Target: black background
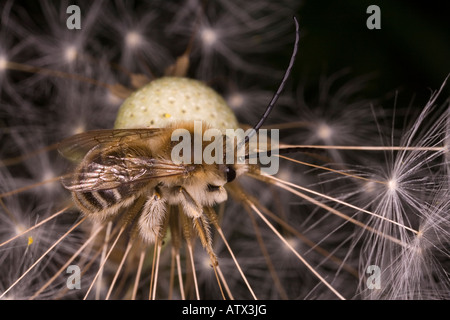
409,54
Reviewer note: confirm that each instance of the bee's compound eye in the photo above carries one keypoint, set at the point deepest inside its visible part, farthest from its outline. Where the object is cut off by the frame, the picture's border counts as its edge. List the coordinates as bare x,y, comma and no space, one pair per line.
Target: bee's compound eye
231,173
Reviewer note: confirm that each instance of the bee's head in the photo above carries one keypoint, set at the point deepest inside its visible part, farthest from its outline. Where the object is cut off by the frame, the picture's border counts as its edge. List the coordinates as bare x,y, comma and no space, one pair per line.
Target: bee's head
206,183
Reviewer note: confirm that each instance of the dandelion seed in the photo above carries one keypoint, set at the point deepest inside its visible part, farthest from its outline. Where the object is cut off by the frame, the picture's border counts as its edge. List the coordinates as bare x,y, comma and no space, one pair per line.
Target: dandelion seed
133,39
3,63
351,197
209,37
293,243
392,185
70,53
236,100
324,132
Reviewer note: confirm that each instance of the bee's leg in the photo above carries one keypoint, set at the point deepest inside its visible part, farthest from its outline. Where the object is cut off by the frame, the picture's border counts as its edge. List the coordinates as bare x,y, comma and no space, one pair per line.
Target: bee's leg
190,207
203,230
151,217
128,215
193,210
202,226
186,223
150,224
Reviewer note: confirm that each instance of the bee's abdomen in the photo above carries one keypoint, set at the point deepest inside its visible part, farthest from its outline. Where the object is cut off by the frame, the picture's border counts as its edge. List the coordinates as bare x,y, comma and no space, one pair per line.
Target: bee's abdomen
103,203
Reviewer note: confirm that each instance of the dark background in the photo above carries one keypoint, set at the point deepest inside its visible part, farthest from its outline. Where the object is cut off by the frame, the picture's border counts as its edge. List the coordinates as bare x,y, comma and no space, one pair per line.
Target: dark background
410,54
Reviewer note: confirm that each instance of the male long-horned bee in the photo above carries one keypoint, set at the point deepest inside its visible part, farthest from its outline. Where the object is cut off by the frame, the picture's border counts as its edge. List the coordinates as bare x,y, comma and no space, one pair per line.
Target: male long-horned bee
130,176
123,168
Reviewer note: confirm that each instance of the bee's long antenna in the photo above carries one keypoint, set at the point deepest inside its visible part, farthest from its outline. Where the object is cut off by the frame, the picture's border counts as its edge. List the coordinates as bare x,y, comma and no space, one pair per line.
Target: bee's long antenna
277,94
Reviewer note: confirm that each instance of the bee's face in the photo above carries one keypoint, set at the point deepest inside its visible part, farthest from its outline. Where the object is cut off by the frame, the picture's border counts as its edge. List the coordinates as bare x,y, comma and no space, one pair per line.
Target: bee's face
206,184
204,187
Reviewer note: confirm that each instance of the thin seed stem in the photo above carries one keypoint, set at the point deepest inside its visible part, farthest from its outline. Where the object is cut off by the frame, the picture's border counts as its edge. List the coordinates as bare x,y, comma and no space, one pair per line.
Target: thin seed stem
19,159
266,255
127,250
340,214
54,73
191,258
138,274
279,182
152,275
255,209
64,267
35,226
102,258
304,239
43,255
158,255
180,276
332,170
219,230
103,262
225,284
362,148
172,274
30,186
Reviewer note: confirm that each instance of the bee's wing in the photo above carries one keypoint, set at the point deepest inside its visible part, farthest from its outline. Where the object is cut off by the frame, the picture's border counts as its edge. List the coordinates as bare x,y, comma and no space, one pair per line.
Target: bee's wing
127,174
76,147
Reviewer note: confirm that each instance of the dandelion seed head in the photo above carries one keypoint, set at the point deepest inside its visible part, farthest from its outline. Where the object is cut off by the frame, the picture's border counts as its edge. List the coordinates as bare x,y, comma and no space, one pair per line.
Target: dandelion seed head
392,185
446,147
284,174
133,39
3,63
9,296
113,99
47,175
293,242
19,228
176,99
324,132
370,186
80,128
205,262
209,36
70,54
236,100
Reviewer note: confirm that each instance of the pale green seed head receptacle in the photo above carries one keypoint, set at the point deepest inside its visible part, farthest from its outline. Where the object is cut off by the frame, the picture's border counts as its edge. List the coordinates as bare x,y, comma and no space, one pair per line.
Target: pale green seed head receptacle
170,99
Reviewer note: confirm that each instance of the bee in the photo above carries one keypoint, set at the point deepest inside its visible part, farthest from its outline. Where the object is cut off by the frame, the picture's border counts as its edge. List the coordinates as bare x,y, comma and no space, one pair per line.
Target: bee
129,174
131,170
